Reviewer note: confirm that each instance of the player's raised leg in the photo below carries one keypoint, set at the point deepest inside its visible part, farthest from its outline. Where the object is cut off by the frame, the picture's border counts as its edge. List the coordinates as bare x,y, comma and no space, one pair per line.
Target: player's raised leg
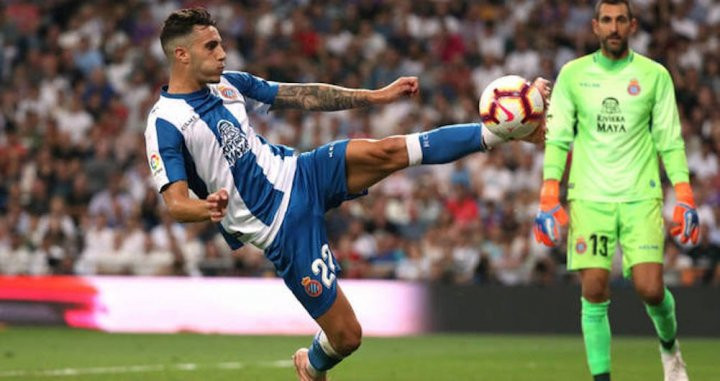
369,161
595,322
660,306
340,336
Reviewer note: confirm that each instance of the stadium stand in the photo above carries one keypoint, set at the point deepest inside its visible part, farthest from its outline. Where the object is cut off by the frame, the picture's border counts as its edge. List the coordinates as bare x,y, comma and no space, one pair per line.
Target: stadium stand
78,78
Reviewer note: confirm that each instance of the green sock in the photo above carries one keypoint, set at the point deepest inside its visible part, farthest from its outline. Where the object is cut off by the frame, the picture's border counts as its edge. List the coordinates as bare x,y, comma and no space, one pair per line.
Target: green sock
663,317
596,332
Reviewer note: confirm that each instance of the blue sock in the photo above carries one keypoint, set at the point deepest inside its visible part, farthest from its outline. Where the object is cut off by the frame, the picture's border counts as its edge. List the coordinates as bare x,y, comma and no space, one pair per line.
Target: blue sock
320,360
449,143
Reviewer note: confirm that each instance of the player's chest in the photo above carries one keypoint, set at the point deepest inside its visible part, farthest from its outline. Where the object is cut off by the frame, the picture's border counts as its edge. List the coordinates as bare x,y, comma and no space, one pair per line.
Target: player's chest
611,104
230,99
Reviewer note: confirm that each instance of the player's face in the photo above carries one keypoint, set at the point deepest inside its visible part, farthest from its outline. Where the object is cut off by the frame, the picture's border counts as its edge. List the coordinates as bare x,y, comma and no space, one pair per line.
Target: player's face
613,27
207,56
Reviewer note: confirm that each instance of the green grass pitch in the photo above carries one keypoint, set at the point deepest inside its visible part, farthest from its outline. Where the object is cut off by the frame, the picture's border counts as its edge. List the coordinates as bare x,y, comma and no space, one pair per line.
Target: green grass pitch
30,353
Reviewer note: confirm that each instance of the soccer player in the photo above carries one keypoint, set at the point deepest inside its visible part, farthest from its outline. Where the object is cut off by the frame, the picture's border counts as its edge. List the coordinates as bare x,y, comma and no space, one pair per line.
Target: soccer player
198,138
618,110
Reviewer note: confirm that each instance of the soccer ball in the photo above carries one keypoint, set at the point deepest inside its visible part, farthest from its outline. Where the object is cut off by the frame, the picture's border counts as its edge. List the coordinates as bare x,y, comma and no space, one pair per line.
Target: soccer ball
510,107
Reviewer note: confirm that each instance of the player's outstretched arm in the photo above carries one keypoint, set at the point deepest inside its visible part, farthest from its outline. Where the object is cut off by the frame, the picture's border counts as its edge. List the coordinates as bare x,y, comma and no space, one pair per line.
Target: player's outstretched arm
325,97
185,209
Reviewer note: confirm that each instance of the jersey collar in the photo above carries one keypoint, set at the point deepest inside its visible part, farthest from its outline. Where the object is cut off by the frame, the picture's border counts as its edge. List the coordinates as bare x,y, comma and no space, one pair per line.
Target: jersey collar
610,64
187,96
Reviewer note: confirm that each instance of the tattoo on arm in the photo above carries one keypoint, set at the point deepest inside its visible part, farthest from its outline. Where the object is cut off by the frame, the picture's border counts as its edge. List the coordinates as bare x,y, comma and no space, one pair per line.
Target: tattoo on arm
319,97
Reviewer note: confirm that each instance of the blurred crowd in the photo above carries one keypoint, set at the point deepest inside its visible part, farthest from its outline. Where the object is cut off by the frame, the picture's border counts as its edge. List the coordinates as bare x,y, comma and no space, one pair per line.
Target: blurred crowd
77,79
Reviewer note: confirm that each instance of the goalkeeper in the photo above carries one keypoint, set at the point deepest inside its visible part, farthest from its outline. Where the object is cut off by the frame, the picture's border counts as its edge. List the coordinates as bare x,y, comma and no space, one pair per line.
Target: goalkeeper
617,108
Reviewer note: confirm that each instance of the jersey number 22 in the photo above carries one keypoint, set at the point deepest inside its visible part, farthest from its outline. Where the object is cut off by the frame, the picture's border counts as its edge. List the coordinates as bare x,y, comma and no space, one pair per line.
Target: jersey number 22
325,265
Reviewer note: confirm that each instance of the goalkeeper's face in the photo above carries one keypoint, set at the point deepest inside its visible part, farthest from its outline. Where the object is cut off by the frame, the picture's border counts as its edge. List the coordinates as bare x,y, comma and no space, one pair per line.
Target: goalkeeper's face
207,56
613,27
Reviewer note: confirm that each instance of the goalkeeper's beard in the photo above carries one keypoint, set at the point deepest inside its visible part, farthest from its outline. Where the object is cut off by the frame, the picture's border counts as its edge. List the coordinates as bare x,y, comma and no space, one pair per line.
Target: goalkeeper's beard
615,52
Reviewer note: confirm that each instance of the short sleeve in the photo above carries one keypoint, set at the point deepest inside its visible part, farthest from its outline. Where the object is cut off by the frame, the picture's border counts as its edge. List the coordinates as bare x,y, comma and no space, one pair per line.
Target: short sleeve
164,144
252,86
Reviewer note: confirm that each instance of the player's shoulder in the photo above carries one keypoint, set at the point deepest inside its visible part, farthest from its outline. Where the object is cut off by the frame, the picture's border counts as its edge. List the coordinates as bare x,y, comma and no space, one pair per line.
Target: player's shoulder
577,64
235,74
175,112
238,79
649,64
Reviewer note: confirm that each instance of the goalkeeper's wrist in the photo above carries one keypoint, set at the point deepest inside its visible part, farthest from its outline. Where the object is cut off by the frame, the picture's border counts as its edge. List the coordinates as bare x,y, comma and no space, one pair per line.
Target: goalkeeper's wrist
684,193
549,194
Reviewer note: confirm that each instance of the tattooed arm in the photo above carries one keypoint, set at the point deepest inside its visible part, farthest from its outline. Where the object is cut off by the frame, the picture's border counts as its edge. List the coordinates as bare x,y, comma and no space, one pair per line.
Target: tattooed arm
319,97
324,97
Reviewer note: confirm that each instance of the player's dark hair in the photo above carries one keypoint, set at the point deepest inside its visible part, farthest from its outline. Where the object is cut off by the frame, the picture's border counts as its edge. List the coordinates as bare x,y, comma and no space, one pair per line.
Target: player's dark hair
614,2
181,22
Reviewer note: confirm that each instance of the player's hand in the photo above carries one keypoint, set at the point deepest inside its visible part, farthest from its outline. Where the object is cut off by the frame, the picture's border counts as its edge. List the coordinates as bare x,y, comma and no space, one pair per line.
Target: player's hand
401,87
685,223
551,217
538,134
217,204
543,85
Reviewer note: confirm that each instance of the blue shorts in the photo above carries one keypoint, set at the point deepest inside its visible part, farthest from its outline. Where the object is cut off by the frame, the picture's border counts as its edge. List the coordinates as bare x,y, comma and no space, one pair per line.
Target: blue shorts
301,252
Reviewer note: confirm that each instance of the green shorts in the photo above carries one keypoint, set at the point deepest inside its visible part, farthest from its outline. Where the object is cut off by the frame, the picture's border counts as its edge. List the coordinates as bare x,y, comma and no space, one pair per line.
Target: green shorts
596,227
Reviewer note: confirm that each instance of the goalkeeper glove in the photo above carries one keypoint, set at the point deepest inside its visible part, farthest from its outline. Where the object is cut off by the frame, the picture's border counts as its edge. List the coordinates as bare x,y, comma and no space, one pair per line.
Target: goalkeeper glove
552,216
685,222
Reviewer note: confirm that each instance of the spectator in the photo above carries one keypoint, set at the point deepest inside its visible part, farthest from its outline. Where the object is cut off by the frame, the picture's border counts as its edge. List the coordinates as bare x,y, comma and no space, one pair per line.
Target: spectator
81,91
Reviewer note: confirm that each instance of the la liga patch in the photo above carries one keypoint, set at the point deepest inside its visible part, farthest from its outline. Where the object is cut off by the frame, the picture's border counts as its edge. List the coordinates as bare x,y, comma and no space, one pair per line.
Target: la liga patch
155,163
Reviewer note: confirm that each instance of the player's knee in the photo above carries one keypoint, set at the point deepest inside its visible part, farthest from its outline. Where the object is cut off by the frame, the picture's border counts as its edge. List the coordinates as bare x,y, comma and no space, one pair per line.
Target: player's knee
650,293
350,339
595,292
392,153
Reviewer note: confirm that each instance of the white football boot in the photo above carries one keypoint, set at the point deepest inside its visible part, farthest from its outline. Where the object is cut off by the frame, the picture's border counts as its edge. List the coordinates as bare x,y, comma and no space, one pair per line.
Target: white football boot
673,364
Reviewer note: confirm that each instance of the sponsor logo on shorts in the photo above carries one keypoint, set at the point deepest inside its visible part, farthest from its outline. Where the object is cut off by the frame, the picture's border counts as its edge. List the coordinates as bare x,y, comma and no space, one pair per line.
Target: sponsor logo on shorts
648,247
312,287
580,245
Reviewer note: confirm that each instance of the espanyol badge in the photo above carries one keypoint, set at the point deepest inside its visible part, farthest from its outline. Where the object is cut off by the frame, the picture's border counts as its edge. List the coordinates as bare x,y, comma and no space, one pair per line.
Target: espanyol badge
227,92
580,245
312,287
634,87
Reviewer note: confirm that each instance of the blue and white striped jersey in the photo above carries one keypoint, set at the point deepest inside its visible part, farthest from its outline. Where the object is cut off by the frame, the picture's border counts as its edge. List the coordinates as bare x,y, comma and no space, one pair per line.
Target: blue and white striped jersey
205,139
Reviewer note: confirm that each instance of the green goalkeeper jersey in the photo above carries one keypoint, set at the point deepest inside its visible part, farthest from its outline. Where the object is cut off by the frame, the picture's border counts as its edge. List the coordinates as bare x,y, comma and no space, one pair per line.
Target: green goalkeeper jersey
618,116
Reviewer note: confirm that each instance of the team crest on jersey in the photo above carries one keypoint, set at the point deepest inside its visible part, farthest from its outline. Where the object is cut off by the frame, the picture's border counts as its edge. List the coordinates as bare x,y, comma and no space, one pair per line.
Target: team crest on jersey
233,141
155,163
312,287
634,87
580,245
227,92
